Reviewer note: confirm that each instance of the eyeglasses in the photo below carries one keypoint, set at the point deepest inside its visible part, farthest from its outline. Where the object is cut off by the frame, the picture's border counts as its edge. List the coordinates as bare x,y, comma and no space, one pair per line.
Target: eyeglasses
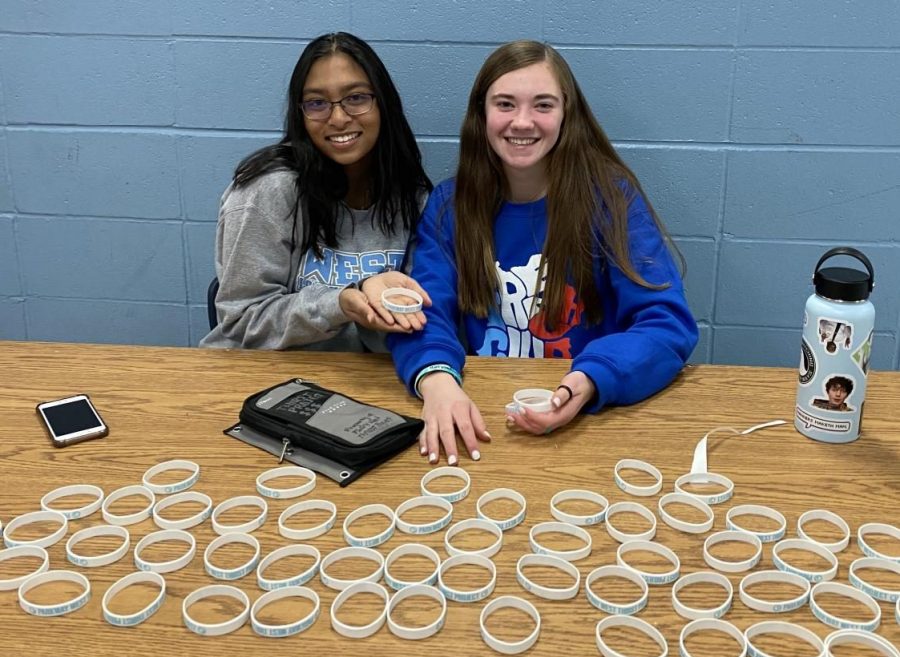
319,109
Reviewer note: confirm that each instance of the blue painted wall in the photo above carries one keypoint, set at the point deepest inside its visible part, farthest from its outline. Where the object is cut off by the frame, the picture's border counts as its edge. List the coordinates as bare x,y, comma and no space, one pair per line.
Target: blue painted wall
764,132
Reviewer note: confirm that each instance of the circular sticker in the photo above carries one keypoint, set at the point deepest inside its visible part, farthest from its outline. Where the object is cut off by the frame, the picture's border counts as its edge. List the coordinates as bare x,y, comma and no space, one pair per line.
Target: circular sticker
807,363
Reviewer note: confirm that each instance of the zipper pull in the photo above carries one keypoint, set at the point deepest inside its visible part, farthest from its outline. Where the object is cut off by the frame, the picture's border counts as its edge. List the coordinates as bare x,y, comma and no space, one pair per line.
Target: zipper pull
284,450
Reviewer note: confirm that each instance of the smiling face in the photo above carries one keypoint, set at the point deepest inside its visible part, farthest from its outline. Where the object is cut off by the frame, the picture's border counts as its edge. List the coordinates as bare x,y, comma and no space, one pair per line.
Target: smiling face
346,139
524,114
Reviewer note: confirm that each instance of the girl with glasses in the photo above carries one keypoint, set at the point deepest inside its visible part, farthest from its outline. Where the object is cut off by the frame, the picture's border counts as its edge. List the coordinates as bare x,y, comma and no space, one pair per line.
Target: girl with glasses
313,224
544,245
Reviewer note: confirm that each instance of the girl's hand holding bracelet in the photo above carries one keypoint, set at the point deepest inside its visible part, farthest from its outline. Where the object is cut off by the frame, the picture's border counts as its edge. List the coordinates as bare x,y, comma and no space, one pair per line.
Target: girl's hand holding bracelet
575,390
373,287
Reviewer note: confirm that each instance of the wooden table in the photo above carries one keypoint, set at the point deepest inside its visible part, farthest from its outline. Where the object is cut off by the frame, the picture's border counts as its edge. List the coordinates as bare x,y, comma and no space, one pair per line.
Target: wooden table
163,403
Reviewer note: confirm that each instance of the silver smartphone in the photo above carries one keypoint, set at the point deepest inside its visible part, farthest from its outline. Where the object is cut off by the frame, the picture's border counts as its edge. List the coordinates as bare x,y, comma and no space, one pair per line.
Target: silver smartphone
71,420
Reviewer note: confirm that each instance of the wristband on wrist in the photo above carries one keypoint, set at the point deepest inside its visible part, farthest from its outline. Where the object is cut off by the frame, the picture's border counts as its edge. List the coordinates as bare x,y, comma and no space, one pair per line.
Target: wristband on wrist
357,285
431,369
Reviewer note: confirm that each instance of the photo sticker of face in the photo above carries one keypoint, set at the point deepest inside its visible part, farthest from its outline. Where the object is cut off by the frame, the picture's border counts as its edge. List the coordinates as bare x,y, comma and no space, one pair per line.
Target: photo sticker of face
837,390
834,334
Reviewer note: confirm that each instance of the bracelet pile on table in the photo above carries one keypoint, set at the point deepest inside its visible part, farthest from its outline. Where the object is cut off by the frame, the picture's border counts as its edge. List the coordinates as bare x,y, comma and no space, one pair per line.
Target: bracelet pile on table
811,585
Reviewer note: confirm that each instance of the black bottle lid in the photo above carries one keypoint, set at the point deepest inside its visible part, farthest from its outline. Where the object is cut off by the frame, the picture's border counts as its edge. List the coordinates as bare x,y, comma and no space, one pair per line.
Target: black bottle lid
844,283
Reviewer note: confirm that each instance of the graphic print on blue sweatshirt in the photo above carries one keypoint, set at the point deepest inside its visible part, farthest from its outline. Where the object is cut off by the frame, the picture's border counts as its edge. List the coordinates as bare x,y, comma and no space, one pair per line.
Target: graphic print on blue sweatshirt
340,268
510,331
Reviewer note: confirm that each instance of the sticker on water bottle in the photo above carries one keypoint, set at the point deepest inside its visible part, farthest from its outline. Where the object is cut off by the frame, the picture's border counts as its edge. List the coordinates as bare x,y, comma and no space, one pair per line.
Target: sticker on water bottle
863,354
807,363
837,393
813,421
835,334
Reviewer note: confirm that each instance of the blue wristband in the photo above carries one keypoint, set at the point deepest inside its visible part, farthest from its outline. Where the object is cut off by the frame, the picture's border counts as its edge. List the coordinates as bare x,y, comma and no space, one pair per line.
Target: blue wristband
430,369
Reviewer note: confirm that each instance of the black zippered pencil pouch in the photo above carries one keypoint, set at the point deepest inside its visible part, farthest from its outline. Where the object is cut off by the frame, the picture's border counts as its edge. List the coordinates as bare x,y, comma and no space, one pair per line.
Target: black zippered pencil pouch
330,424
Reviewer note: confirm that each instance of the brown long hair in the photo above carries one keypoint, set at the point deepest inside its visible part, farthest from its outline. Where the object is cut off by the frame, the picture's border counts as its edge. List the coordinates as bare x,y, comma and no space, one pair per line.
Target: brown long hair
588,193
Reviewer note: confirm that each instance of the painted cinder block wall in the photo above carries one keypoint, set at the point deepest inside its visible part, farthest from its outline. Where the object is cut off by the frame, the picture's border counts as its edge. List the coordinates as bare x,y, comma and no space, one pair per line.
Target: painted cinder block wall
764,132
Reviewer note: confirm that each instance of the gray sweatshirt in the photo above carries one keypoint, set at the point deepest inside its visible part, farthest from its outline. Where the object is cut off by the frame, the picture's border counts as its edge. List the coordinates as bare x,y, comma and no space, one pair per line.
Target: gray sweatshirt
273,297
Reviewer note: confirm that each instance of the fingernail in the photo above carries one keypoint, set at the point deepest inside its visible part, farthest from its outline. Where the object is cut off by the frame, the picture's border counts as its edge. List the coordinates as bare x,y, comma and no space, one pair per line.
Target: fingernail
432,457
557,402
476,455
509,419
452,459
423,450
487,433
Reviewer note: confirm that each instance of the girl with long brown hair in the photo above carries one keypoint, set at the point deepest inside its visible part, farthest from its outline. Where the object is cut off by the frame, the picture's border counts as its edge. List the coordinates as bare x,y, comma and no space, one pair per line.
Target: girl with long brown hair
544,245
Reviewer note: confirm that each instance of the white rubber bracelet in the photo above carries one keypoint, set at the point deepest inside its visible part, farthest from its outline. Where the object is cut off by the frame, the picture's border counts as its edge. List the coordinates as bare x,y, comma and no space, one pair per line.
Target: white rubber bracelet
473,595
706,478
428,527
611,607
885,595
732,566
643,466
846,591
158,537
781,627
630,507
35,517
284,629
311,532
684,525
696,613
358,631
563,528
233,503
166,466
178,498
855,637
129,518
100,559
286,471
505,494
714,625
756,510
546,592
401,308
509,647
138,617
447,471
411,548
12,583
479,524
77,489
348,553
534,399
60,608
628,621
425,631
808,546
238,571
827,516
215,629
300,579
581,495
369,510
653,579
876,528
770,607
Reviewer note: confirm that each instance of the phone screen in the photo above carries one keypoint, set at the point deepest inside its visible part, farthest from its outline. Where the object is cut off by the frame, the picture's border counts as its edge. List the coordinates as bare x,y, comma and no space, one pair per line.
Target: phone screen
72,417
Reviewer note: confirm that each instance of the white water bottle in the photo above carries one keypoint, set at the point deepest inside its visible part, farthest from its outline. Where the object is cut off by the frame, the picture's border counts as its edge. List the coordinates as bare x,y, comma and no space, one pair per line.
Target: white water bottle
836,349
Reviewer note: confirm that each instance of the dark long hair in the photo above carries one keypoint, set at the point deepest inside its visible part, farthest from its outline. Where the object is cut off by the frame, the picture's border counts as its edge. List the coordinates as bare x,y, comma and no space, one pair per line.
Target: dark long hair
398,178
588,193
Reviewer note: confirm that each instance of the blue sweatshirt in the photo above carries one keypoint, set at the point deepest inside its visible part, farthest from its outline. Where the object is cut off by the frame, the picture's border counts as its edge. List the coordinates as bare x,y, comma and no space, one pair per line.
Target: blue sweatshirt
641,344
